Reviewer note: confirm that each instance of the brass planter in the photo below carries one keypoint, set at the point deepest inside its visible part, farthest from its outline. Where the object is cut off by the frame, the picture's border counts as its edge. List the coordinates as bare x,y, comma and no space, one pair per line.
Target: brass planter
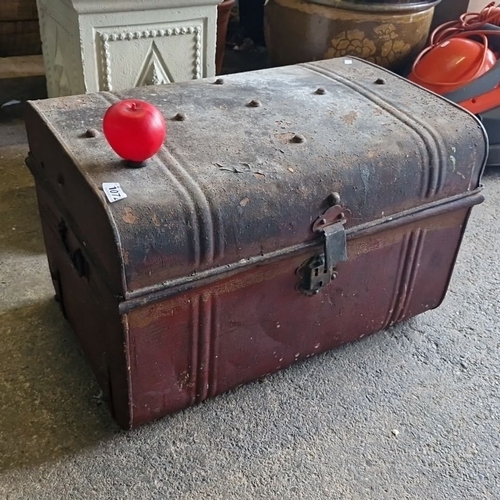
389,33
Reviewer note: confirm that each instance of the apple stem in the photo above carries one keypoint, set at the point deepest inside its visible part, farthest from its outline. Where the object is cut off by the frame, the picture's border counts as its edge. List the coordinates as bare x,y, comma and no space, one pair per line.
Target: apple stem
133,106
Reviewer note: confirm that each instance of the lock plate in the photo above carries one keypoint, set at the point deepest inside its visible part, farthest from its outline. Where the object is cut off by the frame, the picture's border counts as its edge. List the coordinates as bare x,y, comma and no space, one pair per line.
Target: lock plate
320,270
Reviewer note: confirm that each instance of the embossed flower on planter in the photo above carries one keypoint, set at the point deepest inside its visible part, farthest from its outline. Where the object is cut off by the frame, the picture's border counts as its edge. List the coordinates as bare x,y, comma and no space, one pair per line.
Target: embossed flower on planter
351,43
386,32
391,52
393,49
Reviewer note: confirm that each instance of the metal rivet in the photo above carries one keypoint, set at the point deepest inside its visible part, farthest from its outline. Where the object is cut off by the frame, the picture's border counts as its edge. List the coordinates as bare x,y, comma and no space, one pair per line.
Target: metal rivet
254,103
180,117
334,199
322,221
298,138
341,215
91,132
321,91
334,276
380,81
219,81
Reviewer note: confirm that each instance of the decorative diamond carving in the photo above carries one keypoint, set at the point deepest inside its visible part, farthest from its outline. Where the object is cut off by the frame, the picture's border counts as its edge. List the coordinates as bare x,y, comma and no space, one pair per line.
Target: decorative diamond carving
154,70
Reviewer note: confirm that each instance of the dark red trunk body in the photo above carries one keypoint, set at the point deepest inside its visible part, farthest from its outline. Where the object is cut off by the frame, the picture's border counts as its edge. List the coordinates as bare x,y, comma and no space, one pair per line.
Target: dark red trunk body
226,261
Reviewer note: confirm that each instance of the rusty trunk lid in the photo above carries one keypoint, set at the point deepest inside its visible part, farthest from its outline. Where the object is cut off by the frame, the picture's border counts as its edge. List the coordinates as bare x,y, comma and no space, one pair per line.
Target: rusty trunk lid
250,162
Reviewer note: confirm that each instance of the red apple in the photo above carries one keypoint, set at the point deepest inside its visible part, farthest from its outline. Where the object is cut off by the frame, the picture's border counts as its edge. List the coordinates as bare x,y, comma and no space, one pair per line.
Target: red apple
135,129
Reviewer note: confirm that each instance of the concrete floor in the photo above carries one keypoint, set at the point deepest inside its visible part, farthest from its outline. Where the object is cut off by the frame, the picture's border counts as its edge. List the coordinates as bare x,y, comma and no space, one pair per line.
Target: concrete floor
324,429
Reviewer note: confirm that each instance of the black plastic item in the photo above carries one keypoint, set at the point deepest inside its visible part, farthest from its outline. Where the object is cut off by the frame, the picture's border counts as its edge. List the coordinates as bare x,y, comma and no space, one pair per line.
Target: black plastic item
490,119
491,122
479,86
252,19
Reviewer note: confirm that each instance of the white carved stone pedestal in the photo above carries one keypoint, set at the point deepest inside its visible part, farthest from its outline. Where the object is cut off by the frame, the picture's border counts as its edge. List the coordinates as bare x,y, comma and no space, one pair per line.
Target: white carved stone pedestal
95,45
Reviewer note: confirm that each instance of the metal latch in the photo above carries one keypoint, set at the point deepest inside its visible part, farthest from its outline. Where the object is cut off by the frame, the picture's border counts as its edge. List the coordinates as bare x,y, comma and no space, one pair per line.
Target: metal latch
320,270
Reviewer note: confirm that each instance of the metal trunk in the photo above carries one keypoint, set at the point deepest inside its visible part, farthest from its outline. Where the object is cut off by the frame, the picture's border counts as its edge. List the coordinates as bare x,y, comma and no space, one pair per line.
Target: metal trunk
290,211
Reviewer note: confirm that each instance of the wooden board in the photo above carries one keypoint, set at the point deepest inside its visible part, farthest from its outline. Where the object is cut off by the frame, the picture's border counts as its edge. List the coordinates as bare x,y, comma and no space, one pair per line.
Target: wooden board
18,10
21,67
19,38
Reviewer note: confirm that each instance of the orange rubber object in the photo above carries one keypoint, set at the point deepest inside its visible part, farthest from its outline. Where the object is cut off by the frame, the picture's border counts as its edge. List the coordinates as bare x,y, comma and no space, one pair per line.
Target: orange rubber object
452,64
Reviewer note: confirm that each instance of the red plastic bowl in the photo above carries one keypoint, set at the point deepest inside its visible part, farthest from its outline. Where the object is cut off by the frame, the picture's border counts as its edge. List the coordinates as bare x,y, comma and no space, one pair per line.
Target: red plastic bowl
452,64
